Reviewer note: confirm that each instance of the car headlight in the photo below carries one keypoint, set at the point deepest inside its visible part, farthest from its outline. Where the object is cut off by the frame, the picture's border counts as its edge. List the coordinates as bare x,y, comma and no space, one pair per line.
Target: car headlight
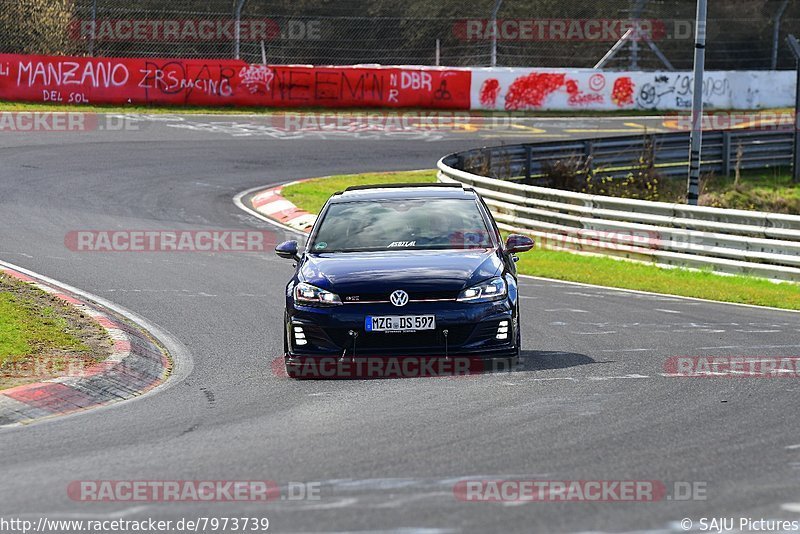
307,294
492,289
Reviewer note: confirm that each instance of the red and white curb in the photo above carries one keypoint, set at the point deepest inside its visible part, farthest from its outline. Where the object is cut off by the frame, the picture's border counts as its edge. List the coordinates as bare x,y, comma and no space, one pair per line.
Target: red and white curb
270,203
136,365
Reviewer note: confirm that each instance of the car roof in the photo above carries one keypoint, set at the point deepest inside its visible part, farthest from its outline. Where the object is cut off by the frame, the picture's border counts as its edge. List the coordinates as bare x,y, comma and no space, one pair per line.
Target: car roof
402,191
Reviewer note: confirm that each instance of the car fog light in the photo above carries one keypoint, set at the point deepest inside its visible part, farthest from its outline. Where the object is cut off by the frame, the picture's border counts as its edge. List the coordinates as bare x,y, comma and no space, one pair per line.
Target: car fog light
502,330
299,336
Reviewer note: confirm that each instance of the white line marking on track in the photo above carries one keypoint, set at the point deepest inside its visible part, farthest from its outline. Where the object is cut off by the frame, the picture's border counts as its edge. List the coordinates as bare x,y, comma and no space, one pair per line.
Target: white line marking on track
667,311
552,379
625,350
791,507
617,377
579,294
793,447
594,333
341,503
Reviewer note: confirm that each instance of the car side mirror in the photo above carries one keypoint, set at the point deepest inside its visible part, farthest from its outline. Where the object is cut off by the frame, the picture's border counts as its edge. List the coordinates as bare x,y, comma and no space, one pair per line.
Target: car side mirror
287,250
517,243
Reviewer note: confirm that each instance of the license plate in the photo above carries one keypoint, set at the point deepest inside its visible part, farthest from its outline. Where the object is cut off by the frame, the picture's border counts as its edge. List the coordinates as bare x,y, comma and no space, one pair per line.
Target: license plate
400,323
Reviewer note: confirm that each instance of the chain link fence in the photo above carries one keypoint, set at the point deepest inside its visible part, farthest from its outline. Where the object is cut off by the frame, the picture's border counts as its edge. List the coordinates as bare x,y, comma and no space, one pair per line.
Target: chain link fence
742,34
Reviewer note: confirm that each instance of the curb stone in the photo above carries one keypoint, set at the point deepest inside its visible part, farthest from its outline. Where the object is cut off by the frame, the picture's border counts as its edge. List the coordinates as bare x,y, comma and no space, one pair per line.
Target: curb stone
272,204
136,365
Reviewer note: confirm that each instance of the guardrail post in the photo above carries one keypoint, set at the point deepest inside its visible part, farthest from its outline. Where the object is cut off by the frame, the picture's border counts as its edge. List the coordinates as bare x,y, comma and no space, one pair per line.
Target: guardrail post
726,153
528,161
696,135
794,45
588,156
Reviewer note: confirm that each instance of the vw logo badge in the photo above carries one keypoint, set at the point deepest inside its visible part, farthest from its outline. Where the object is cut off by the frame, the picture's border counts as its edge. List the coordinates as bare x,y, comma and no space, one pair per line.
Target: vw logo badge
399,298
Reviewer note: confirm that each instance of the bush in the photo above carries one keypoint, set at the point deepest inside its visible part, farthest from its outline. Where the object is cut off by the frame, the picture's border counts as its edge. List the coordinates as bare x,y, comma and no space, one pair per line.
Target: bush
37,27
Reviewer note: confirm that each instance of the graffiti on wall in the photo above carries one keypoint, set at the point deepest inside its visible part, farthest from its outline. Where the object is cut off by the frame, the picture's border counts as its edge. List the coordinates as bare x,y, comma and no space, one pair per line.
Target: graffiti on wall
188,82
74,80
534,89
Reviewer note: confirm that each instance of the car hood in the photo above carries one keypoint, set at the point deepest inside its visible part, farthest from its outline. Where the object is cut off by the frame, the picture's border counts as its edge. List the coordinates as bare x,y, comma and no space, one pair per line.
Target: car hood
420,273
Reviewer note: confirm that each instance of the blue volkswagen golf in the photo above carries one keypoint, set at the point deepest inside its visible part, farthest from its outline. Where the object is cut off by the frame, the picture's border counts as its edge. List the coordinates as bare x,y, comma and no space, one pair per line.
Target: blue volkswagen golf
403,271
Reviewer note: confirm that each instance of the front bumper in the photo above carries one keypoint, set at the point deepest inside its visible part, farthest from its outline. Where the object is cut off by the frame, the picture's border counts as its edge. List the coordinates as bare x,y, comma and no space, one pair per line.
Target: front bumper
472,330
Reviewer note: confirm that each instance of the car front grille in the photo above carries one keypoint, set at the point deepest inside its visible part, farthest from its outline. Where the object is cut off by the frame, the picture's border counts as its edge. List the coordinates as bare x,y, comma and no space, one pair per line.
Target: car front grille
384,297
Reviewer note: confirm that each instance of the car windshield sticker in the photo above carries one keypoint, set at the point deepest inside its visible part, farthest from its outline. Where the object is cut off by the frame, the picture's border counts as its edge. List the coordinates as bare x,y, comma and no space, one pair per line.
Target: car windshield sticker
321,245
402,244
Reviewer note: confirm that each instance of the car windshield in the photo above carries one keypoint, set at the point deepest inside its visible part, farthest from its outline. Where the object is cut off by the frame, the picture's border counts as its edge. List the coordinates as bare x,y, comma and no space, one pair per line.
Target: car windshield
407,224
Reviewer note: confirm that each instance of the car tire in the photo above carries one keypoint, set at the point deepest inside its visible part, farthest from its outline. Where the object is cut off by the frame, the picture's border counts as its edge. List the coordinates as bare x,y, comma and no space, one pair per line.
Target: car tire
514,360
285,335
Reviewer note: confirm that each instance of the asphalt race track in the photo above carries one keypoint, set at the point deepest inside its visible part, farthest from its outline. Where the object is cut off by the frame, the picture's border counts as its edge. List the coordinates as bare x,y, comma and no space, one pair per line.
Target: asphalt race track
589,401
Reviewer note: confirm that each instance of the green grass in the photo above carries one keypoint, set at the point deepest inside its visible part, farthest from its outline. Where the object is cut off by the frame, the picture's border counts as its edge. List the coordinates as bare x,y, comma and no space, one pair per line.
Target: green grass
311,195
769,190
647,277
28,329
566,266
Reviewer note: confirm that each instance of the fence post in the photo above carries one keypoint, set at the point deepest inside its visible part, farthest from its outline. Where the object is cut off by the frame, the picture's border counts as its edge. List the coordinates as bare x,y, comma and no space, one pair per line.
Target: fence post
726,153
528,161
237,27
776,32
93,34
496,8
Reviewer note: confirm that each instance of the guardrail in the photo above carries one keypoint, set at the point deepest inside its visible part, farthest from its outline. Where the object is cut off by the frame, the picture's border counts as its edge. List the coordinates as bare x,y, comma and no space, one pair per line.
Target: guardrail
616,156
728,241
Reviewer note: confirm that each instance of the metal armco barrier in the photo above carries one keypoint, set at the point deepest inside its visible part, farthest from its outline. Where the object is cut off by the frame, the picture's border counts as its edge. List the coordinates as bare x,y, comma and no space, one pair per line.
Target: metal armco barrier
728,241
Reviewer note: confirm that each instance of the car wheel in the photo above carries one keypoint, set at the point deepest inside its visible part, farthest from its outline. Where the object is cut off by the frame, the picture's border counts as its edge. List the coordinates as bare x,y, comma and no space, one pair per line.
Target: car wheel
515,358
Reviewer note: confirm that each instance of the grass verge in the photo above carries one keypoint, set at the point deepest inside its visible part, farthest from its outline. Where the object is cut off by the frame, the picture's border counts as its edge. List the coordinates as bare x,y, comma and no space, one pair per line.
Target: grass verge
560,265
312,194
769,190
200,110
43,337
